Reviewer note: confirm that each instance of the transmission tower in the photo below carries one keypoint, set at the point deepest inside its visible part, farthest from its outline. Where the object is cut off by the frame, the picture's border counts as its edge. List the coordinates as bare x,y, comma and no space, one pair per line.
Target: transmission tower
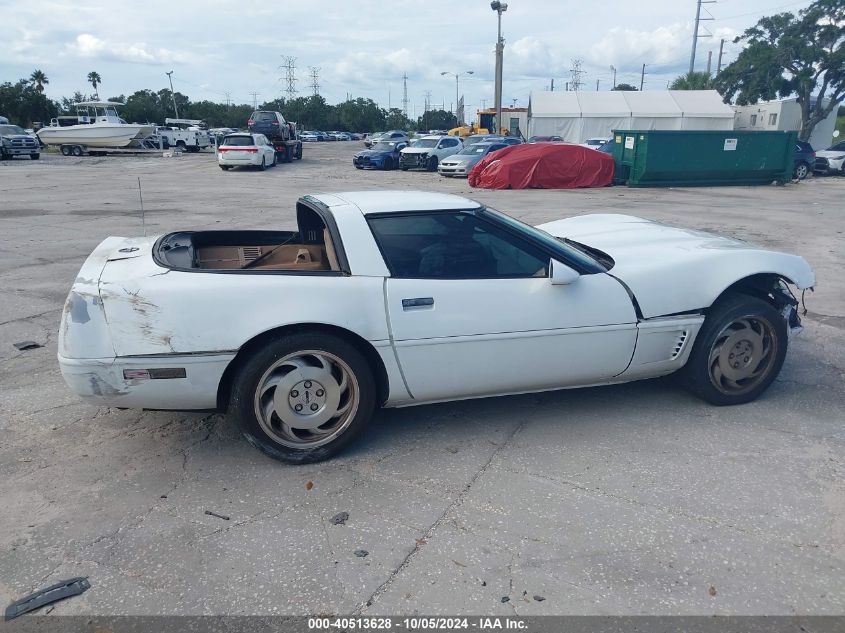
289,66
314,71
576,73
427,95
405,94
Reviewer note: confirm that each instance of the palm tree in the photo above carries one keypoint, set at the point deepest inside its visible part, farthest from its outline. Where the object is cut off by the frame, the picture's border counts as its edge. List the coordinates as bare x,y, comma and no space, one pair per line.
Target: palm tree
39,79
95,80
695,80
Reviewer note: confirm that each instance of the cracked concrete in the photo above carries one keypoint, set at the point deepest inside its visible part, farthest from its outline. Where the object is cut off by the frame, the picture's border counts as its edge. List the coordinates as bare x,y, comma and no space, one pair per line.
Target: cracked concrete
632,499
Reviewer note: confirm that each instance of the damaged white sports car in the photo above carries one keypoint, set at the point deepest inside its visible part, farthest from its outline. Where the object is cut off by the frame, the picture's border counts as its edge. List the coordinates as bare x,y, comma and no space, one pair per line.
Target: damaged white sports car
401,298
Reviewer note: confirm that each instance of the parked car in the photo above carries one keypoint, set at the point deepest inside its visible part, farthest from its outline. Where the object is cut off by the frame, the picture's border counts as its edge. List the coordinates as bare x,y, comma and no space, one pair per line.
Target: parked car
595,142
427,152
382,155
461,163
805,160
373,138
831,160
246,150
545,139
510,140
472,139
14,141
396,298
309,136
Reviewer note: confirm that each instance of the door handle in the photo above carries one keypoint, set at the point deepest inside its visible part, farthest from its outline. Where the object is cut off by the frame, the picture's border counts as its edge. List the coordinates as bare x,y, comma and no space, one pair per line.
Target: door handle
417,302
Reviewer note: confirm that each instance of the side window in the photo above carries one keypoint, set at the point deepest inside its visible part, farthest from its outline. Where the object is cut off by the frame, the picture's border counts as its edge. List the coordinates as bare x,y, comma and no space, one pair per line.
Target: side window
449,245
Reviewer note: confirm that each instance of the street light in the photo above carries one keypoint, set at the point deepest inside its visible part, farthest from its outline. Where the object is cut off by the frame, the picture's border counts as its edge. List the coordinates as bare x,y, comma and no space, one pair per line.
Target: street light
457,92
499,8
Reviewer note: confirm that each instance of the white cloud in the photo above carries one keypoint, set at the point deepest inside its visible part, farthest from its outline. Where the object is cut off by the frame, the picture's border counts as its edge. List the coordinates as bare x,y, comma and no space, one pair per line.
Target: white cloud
663,45
90,46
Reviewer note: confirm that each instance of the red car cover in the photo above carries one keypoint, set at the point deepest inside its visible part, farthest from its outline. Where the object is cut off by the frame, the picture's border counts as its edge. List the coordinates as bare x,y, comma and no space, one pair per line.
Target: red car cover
543,166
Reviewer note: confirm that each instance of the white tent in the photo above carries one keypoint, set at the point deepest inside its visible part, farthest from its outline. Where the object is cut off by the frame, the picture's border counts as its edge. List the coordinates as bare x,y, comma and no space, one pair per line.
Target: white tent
577,116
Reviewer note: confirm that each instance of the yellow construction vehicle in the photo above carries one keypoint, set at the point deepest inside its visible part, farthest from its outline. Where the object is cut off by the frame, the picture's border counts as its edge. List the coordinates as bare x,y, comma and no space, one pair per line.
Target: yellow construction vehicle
482,124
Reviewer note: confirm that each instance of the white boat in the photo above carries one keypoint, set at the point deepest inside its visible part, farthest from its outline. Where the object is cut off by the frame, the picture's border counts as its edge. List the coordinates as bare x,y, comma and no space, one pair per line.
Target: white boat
98,126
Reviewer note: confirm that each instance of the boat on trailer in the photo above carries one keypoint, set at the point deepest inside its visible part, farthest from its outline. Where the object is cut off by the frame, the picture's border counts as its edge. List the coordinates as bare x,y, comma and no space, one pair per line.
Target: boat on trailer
99,125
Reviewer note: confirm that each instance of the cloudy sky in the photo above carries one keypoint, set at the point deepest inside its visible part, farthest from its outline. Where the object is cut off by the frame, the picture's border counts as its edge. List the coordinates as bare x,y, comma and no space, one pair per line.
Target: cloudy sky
362,48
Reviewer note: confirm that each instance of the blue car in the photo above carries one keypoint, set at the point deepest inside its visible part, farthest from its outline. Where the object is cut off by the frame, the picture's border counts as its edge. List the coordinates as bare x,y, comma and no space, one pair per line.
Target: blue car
382,155
805,160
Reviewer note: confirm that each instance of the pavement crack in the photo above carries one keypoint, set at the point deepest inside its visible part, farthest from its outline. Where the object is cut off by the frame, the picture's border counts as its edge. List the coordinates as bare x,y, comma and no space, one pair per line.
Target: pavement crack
443,517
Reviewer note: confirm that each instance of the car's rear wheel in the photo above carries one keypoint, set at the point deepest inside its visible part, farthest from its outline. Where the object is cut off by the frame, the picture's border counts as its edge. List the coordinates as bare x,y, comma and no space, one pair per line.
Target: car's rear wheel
34,156
181,146
263,165
303,397
802,170
225,167
738,352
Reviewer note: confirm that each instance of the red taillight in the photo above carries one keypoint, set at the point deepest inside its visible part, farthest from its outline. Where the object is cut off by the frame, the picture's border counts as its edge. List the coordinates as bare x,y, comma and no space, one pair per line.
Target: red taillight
250,122
237,148
275,123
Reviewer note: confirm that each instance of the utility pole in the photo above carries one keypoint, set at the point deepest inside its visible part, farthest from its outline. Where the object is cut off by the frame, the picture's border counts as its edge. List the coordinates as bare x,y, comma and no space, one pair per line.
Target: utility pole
499,8
484,104
695,36
597,85
228,98
405,94
289,65
172,94
719,63
314,71
709,61
513,102
553,84
613,69
642,78
254,99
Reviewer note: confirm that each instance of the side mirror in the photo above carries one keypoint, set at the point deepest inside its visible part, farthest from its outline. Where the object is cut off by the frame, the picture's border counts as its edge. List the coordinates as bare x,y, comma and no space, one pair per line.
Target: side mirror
561,274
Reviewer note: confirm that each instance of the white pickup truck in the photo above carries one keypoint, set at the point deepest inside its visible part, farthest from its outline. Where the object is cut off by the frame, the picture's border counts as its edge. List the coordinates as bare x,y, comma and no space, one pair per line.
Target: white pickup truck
187,135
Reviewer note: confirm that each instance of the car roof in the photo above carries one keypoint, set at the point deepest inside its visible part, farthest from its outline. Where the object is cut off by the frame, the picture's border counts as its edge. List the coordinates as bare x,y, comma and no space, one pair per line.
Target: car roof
368,202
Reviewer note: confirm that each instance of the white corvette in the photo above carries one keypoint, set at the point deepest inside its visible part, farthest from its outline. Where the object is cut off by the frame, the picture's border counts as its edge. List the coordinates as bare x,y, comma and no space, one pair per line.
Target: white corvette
401,298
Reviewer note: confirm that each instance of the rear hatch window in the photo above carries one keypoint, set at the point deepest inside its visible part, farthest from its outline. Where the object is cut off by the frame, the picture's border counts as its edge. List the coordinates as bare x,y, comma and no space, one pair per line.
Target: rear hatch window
263,117
240,141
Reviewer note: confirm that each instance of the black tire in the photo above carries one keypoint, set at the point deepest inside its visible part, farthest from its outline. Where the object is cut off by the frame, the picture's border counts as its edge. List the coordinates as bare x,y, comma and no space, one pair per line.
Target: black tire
180,145
263,165
2,154
252,375
403,167
76,150
431,163
802,170
298,153
65,150
34,156
357,166
225,167
703,373
288,155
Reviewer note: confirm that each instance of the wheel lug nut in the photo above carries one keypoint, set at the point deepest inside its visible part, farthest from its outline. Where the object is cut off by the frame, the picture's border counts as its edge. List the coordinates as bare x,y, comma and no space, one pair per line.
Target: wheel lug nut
320,393
298,408
315,406
294,394
307,384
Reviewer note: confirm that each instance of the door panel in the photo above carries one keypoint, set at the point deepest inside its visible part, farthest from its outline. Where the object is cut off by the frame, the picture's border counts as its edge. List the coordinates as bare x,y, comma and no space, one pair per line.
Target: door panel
469,337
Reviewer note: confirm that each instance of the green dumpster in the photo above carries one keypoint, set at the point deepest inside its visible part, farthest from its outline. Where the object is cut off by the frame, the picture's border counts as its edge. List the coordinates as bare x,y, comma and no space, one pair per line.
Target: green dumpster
677,158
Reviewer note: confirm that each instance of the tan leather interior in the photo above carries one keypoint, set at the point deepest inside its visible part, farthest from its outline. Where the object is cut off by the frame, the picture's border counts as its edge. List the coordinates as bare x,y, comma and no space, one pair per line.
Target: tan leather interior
284,257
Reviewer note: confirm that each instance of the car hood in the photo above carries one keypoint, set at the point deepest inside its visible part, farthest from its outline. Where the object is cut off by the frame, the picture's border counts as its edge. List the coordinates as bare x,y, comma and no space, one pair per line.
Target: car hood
371,153
454,159
671,270
417,150
14,136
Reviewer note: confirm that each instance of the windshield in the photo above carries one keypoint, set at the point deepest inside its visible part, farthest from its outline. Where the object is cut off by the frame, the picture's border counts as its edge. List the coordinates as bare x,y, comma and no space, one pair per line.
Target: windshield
11,129
425,142
383,146
240,141
551,242
473,150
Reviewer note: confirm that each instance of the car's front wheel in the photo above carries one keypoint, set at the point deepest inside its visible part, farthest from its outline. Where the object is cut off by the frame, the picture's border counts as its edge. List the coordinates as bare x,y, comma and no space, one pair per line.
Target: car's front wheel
802,170
738,352
304,397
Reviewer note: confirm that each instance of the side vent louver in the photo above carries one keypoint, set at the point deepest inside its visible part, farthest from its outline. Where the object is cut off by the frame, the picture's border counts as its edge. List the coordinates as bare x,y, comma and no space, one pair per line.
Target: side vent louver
249,253
679,344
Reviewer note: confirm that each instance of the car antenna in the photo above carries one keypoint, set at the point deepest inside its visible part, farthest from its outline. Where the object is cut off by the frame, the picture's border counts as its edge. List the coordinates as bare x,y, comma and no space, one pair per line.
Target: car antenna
141,198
